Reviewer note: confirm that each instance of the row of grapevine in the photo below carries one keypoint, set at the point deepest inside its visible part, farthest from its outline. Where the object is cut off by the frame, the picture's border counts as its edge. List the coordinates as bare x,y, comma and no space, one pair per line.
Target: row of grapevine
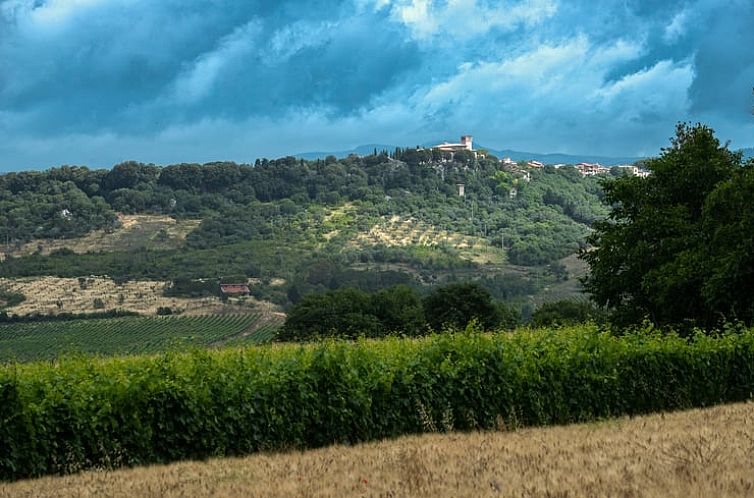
264,334
104,412
48,340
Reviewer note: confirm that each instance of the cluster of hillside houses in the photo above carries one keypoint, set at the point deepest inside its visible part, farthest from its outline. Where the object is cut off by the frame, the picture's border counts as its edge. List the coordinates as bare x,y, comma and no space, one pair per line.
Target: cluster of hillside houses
523,167
586,169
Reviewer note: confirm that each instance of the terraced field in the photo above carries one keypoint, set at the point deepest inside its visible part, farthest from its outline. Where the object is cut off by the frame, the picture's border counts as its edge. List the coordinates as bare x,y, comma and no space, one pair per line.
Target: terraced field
402,232
117,336
54,295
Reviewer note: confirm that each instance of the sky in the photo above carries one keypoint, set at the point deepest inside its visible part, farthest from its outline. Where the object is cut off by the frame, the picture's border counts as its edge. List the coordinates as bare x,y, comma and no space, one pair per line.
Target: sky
97,82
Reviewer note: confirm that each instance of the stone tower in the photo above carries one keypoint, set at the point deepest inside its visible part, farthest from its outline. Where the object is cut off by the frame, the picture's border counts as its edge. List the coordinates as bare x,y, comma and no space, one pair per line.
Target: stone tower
466,141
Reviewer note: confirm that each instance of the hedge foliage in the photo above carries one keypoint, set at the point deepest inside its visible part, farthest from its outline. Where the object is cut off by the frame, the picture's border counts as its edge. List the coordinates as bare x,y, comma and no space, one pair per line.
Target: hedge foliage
82,413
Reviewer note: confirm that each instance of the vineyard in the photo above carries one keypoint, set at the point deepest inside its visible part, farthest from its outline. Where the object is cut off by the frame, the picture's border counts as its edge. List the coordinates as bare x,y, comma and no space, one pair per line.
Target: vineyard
116,336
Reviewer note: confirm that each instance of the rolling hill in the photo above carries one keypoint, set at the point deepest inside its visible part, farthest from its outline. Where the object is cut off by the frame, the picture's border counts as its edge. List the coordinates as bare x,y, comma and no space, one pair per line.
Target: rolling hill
292,227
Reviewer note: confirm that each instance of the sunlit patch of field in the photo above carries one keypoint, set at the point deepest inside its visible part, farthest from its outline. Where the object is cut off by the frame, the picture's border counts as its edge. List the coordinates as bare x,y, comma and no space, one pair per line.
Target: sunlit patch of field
135,231
273,282
693,454
54,295
403,232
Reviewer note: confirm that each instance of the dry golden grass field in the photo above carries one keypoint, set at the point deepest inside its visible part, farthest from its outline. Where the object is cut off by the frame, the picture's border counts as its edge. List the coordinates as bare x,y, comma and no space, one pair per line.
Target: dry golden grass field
699,453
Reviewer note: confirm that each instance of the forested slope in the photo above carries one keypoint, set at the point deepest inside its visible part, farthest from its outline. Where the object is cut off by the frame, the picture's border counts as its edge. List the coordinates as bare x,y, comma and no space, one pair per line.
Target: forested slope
375,220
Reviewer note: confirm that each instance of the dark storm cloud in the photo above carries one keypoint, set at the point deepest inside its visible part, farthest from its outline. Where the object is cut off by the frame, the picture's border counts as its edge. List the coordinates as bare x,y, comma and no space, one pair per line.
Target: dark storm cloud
724,61
97,81
88,65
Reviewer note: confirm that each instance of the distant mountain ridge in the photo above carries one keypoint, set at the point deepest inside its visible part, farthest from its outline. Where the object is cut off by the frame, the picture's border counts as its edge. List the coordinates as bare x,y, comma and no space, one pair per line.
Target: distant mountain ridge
558,158
362,150
547,158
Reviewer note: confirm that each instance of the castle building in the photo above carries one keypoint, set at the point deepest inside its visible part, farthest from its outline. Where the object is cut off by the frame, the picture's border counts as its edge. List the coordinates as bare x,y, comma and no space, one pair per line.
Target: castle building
466,144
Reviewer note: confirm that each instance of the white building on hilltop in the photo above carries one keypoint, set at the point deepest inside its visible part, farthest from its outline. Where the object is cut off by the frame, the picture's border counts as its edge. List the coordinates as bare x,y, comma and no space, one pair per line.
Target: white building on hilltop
466,144
633,170
592,169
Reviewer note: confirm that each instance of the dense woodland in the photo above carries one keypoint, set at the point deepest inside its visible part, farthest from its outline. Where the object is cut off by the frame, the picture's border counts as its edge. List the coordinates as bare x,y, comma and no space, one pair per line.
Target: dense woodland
241,202
396,310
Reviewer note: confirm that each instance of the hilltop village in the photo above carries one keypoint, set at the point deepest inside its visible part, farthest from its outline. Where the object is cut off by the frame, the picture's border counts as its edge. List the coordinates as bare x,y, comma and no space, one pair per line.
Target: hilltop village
523,167
519,171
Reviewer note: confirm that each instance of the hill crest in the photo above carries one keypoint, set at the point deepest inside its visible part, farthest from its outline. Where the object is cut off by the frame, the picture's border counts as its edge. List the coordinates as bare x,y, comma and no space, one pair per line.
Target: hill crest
547,158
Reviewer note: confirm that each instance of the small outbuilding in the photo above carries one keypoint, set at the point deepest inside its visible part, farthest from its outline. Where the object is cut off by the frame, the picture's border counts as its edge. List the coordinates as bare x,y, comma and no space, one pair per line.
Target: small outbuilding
235,289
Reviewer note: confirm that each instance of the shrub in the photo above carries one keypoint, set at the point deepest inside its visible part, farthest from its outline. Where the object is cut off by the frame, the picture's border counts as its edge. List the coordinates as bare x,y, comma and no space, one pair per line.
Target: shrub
566,312
10,299
83,412
458,304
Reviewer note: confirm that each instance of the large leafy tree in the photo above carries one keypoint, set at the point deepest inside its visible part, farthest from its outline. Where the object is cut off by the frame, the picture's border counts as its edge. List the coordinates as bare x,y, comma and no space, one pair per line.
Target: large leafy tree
351,313
458,304
565,312
339,313
729,225
399,309
675,242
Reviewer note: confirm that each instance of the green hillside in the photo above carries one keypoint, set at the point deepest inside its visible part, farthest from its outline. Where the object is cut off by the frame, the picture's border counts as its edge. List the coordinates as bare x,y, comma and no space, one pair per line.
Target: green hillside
366,222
